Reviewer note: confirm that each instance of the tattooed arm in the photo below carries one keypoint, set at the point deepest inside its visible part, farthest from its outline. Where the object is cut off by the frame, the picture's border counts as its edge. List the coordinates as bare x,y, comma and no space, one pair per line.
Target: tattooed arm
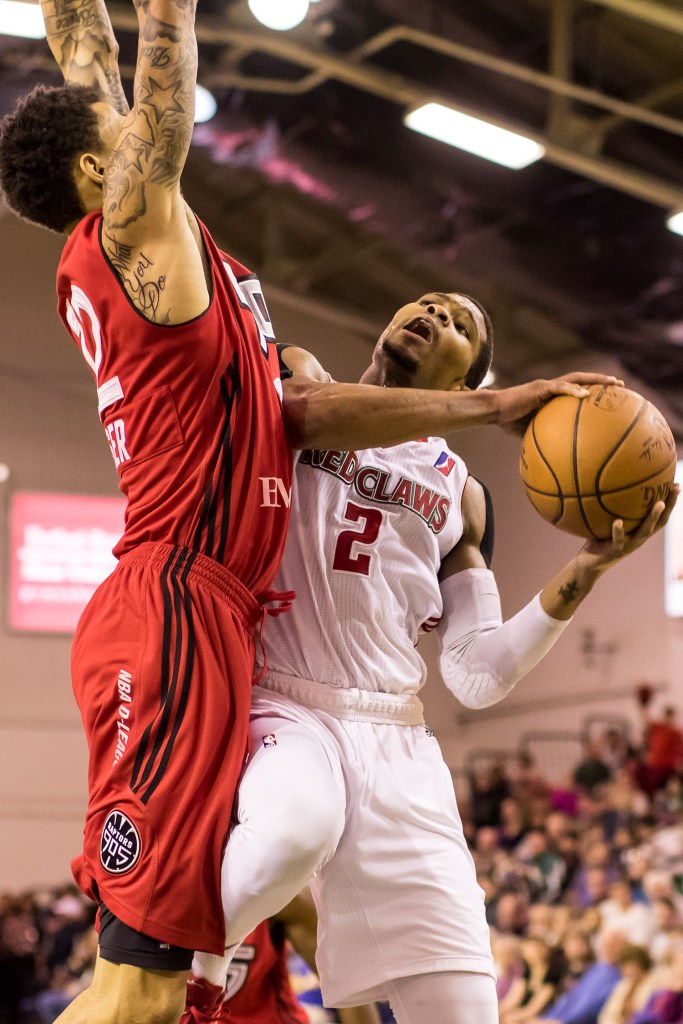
561,597
147,235
483,656
82,41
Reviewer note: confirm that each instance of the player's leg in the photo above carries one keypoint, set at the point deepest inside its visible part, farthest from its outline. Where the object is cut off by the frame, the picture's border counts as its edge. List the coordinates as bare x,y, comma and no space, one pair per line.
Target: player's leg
123,994
451,997
290,814
166,712
400,897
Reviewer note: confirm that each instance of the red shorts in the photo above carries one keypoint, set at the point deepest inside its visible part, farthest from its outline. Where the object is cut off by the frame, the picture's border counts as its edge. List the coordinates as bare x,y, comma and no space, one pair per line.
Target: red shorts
162,668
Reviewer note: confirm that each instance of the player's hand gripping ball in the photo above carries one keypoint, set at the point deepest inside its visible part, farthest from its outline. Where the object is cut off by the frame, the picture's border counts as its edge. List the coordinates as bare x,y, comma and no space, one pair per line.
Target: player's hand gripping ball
588,461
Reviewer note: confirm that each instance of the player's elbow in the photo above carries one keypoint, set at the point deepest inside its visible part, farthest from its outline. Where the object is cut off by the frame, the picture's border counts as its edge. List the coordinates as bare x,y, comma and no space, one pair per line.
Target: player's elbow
478,700
475,688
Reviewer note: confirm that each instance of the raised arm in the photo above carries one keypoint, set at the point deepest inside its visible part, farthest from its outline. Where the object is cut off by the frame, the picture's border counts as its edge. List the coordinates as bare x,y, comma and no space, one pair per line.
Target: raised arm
82,41
146,231
483,657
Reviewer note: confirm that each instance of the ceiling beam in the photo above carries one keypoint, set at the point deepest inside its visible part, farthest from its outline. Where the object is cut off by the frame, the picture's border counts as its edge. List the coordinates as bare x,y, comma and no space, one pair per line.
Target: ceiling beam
560,64
353,70
645,10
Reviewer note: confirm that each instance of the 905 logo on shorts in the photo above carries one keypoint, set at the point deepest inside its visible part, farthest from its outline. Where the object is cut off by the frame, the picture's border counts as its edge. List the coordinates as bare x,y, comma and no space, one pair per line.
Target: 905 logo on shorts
120,844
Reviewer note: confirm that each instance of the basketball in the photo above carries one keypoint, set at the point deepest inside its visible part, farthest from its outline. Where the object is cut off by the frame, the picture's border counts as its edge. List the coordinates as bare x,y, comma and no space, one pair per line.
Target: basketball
588,461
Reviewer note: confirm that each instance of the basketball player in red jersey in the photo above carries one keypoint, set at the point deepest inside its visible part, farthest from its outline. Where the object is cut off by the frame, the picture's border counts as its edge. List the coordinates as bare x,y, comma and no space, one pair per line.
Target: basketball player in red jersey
179,340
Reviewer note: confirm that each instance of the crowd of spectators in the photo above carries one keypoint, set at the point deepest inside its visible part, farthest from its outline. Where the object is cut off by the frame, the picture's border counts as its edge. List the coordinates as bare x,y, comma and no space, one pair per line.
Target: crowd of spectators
47,953
584,882
583,886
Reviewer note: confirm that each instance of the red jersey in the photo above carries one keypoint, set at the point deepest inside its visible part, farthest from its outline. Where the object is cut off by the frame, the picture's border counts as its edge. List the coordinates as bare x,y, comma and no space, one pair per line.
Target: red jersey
664,746
192,412
258,986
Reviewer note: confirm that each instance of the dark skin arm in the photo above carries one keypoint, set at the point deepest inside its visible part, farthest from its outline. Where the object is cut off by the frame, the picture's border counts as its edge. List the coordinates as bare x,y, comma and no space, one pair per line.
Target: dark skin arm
321,414
561,597
300,922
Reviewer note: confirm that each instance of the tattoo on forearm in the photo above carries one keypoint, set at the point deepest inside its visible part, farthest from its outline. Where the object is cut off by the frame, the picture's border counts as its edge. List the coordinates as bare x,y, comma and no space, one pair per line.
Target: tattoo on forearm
153,151
83,42
141,281
569,592
158,56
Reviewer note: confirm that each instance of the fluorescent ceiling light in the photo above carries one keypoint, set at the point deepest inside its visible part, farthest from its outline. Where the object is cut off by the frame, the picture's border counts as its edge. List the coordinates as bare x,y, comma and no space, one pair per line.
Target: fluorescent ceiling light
205,105
18,19
474,136
675,222
279,14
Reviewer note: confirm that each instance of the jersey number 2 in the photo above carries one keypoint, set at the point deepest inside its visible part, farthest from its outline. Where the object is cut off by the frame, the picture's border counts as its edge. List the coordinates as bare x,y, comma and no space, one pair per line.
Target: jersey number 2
344,560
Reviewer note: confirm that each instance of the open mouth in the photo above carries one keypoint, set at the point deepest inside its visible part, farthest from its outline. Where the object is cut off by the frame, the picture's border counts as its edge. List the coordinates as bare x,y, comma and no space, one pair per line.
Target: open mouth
420,326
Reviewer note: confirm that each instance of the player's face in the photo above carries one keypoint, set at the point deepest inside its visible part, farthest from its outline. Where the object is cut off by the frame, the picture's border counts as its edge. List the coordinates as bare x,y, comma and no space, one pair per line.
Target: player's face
431,343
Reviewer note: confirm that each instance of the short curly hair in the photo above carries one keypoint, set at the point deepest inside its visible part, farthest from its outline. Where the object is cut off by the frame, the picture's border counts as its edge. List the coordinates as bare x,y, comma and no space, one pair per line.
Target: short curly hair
39,142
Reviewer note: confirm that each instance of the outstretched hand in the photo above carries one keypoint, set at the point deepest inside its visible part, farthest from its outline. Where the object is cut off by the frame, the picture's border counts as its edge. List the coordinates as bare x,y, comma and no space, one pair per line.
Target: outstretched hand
599,555
518,405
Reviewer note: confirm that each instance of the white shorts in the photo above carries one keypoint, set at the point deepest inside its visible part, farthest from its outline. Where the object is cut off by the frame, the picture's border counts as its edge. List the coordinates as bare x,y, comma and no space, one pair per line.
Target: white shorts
400,896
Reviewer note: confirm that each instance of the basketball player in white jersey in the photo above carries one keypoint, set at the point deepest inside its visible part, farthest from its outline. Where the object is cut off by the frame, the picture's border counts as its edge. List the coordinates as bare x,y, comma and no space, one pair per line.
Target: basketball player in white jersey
345,782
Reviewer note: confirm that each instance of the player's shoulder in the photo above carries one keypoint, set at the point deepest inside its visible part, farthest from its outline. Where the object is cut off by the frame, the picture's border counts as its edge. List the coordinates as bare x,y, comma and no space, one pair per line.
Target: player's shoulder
301,363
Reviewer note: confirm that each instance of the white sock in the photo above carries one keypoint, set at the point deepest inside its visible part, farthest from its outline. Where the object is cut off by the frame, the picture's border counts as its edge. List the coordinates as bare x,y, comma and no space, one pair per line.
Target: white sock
213,969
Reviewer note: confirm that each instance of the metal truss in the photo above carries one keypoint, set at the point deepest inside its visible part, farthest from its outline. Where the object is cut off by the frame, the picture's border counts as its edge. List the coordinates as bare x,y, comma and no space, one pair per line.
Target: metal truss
572,140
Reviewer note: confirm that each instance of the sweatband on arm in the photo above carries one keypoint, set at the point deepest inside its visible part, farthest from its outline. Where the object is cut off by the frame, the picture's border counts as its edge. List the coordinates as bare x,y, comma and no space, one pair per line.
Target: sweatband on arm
483,657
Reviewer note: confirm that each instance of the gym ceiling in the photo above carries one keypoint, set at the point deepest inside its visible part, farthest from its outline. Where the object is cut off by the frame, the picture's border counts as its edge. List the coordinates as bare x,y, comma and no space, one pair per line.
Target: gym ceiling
309,174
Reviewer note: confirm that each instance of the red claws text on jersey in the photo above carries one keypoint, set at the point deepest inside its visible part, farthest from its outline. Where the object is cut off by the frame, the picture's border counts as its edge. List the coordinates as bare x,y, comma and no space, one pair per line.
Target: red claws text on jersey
376,485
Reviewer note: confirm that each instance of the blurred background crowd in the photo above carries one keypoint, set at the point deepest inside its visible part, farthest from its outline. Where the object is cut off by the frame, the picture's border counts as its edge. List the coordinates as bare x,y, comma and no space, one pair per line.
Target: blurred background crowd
583,885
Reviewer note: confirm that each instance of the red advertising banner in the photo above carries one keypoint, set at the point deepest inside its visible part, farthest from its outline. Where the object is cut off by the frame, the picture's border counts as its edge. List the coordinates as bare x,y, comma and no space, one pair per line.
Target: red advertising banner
60,552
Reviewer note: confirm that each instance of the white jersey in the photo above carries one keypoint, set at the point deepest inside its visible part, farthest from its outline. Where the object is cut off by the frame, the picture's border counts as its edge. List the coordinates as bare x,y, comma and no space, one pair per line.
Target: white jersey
367,535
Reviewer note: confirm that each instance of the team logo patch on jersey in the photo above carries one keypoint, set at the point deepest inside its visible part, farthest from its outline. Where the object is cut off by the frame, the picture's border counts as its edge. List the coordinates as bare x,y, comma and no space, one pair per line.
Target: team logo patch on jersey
444,463
269,740
120,844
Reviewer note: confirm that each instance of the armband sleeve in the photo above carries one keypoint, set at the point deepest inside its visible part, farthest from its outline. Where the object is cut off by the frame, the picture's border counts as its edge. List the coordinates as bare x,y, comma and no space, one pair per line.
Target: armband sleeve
482,657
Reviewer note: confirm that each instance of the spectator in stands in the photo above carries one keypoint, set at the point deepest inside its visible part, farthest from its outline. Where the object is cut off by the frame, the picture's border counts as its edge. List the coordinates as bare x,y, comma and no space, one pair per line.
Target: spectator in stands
668,929
544,869
541,977
583,1003
662,749
510,913
592,770
509,963
488,789
542,923
669,800
591,886
633,991
19,955
621,913
577,957
527,781
665,1005
514,822
614,748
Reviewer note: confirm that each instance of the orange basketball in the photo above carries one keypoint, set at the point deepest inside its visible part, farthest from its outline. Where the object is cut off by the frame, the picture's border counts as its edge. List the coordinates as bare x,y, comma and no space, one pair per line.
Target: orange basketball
588,461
